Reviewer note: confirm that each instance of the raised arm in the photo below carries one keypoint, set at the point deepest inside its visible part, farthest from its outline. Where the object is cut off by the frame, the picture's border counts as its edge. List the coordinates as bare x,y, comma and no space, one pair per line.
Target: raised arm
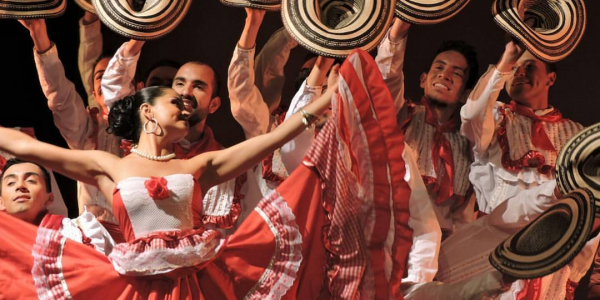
68,110
247,105
269,67
90,49
293,151
87,166
477,115
390,59
117,81
223,165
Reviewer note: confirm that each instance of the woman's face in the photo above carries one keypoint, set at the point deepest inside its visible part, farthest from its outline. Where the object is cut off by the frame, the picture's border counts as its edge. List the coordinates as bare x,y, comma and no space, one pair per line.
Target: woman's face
169,112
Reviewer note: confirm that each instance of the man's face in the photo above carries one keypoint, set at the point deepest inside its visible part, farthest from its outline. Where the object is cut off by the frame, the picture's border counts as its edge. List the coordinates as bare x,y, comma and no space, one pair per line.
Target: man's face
194,83
445,81
24,191
161,76
98,73
529,80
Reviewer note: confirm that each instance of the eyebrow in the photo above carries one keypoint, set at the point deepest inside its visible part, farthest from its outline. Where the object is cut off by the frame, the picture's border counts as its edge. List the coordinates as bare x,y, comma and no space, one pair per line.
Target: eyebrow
28,174
454,67
197,81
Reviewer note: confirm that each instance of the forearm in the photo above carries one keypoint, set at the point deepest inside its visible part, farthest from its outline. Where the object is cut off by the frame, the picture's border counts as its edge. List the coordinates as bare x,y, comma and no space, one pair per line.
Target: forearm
477,115
117,79
70,115
76,164
247,105
390,60
90,49
269,67
235,160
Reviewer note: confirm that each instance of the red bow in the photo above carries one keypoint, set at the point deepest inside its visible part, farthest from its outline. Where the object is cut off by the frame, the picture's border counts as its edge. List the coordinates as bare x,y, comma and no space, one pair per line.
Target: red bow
441,151
539,137
157,188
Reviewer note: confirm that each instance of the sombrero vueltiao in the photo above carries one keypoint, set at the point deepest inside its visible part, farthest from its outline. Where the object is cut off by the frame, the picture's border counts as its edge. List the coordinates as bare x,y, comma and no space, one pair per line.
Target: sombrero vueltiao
36,9
334,28
578,163
86,5
550,29
427,12
259,4
139,19
550,241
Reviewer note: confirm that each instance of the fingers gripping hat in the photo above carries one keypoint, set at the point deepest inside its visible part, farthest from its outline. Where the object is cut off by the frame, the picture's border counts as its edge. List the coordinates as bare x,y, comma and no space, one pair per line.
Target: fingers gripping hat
86,5
550,241
141,19
334,28
550,29
578,163
260,4
31,9
427,12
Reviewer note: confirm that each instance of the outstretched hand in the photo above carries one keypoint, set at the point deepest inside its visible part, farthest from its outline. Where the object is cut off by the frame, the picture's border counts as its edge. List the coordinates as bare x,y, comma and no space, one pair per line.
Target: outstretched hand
38,33
512,51
254,18
399,30
34,25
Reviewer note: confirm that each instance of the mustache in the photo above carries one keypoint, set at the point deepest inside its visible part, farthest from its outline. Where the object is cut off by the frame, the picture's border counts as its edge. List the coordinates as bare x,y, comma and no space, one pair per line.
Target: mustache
192,99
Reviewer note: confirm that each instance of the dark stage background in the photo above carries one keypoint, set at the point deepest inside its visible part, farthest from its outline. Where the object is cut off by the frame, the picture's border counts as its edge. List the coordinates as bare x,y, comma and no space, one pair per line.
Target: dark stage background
209,33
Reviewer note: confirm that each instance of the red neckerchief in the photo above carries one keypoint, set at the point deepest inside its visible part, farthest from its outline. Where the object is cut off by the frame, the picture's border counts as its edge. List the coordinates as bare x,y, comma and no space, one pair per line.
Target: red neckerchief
441,151
205,144
539,137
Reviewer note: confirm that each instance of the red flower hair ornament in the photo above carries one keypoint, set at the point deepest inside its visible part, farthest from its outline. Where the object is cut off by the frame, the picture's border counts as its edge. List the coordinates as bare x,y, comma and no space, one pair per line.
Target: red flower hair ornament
157,188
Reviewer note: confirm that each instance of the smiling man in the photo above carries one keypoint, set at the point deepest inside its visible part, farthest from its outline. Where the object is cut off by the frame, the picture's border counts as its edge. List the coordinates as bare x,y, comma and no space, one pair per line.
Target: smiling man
431,125
25,190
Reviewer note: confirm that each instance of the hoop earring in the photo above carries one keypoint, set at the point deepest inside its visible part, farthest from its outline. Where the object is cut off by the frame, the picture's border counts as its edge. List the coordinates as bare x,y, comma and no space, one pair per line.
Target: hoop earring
153,121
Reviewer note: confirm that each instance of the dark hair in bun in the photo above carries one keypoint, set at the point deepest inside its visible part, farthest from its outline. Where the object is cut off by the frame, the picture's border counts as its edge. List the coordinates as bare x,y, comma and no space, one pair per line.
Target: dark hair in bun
124,118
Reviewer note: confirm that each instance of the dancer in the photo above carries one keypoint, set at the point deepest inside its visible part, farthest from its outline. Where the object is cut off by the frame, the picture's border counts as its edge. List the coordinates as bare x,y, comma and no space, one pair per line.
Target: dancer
165,237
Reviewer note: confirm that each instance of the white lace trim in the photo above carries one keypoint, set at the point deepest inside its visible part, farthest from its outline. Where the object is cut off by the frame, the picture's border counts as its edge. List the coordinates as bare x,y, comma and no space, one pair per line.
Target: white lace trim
219,199
91,228
148,215
293,256
163,260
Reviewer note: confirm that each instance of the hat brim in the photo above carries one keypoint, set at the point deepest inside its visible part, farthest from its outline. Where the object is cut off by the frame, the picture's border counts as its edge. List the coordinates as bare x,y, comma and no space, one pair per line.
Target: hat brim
578,163
561,24
428,13
550,241
264,5
152,22
32,9
86,5
358,27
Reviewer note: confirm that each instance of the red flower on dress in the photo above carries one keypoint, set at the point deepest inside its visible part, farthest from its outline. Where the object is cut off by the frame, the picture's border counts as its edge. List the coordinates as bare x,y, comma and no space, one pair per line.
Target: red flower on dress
157,188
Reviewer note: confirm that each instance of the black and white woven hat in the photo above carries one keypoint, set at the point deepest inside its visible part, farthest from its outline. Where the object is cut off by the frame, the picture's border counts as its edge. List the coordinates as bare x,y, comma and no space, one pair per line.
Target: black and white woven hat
427,12
578,163
550,29
31,9
142,19
334,28
260,4
550,241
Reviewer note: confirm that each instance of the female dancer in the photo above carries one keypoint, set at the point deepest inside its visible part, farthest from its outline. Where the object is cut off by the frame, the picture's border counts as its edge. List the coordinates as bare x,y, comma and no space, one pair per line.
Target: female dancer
157,200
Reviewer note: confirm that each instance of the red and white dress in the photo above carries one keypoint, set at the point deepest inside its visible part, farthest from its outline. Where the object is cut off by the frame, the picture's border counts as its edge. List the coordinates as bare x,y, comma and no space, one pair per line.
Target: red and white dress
167,246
